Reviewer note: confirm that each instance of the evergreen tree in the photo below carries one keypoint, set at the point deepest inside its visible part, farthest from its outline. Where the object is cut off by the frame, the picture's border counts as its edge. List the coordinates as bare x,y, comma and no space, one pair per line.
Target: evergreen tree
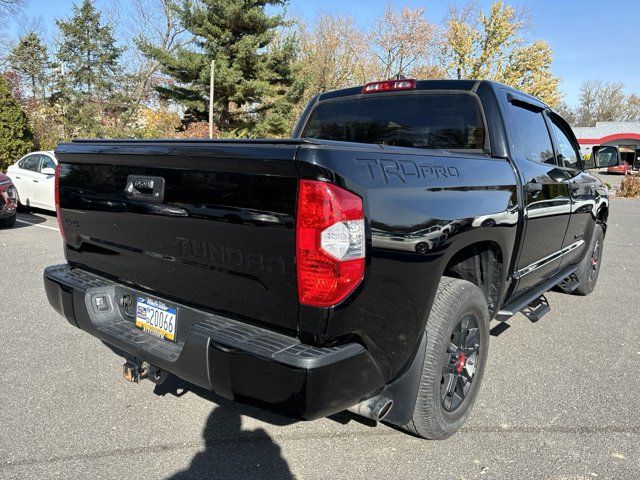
254,81
88,51
30,59
16,139
92,91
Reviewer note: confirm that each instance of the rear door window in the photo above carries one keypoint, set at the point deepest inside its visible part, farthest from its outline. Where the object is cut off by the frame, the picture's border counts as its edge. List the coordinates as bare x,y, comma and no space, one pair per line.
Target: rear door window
567,153
451,121
530,136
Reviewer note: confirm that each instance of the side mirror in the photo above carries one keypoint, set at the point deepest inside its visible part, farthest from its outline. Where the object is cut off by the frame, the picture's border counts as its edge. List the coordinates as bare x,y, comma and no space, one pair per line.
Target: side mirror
602,157
48,171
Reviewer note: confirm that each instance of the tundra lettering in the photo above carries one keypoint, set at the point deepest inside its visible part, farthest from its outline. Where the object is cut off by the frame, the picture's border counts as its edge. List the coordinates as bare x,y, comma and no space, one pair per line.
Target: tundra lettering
220,254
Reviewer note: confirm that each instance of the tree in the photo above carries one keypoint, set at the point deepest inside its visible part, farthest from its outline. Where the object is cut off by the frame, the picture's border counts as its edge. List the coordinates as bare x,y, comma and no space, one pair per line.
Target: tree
333,54
160,123
93,95
605,102
632,109
8,9
253,75
491,46
402,42
568,113
30,59
10,6
155,25
88,51
16,139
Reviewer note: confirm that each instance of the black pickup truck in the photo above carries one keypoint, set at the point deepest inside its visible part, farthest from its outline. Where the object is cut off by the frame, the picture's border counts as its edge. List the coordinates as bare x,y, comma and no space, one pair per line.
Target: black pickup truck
354,266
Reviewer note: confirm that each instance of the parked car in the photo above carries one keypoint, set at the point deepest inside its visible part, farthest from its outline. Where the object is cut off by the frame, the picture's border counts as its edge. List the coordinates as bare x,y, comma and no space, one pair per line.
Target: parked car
34,177
622,167
314,306
8,202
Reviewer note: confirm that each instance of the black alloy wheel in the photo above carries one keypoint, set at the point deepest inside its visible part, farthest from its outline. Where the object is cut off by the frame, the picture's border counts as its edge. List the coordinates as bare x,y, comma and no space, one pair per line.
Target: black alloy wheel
459,363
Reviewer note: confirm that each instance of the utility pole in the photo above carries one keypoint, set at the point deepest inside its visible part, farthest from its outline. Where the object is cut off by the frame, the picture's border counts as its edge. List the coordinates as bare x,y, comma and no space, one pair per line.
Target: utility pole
211,90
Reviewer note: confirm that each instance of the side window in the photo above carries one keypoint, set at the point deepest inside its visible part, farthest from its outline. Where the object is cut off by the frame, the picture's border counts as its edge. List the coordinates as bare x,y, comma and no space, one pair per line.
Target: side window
32,162
47,162
567,154
530,134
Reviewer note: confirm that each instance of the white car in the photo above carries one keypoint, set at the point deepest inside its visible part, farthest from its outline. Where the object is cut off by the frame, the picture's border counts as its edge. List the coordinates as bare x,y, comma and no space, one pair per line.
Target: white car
34,178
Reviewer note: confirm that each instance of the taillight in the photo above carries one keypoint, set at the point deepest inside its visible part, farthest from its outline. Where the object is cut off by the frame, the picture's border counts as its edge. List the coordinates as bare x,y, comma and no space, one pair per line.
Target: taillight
330,243
57,200
388,86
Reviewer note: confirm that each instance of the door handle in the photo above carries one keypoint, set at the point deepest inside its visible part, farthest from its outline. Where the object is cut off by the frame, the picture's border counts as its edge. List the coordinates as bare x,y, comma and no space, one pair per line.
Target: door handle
35,181
574,186
17,177
533,187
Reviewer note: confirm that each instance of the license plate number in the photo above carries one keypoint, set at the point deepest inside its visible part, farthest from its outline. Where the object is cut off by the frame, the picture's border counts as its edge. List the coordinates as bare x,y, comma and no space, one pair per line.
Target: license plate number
156,318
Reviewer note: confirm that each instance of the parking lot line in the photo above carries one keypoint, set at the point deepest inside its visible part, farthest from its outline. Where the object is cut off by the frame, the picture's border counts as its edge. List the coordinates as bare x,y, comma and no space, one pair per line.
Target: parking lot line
37,225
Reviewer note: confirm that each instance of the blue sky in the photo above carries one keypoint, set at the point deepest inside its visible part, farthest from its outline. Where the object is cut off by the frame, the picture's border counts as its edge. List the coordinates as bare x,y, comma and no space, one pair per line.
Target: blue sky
591,39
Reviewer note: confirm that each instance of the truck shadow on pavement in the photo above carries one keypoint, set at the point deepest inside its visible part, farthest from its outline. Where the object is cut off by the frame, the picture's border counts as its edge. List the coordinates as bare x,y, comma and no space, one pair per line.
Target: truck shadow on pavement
27,219
231,452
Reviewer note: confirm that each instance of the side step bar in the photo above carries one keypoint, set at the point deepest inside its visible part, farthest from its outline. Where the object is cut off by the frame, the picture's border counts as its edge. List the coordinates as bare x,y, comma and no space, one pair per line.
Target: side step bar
534,297
570,283
536,309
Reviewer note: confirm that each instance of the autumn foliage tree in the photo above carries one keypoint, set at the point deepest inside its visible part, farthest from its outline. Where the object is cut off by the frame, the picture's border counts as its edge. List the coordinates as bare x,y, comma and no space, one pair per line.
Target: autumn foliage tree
402,41
333,53
491,46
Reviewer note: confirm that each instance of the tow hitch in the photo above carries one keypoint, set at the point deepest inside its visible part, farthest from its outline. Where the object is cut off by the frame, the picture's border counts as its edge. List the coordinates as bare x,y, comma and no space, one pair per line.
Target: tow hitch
135,370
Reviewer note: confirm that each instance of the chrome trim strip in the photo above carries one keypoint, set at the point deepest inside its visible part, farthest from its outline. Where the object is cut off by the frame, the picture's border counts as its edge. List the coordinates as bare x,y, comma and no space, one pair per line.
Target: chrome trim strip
548,259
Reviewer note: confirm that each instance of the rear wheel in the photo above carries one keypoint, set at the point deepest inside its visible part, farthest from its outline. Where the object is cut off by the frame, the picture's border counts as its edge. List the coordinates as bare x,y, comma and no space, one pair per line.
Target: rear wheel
590,267
457,348
8,222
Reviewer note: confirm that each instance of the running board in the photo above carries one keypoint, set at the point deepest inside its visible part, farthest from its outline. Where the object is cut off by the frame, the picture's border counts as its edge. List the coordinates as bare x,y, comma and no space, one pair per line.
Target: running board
570,283
523,302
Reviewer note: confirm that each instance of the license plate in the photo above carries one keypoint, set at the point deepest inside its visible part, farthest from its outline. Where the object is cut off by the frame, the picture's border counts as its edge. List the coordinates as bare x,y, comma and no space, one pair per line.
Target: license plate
156,318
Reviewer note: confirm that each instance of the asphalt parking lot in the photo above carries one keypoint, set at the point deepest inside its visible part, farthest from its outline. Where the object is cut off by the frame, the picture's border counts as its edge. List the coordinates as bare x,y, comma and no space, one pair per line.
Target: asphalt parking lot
559,399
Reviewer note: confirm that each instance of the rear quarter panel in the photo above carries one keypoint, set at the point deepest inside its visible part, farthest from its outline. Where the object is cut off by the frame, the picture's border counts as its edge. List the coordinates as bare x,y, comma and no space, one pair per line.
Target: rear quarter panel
446,201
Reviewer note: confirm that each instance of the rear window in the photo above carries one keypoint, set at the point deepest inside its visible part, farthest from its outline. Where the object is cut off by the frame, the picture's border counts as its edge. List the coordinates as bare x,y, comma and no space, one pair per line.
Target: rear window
438,121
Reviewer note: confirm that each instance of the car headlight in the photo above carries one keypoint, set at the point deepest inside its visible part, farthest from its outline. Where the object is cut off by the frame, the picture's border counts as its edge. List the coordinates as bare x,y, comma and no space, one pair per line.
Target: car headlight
12,192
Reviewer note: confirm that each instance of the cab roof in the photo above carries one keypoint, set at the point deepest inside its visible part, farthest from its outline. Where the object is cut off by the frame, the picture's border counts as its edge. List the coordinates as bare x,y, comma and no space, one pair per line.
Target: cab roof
469,85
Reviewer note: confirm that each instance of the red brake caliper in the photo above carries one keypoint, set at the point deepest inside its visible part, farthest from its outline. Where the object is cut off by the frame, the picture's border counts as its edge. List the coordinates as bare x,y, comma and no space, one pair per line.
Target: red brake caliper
462,360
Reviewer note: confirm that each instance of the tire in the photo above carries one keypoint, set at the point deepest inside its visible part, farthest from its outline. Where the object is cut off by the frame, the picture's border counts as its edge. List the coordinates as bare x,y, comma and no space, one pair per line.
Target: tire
8,222
438,414
590,266
21,206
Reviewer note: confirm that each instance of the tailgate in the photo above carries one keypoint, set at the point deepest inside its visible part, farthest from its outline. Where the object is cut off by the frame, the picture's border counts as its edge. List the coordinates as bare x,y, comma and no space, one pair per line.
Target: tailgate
208,223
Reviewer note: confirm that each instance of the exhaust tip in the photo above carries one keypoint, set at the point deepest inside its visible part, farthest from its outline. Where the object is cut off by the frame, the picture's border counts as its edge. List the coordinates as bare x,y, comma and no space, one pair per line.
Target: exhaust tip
386,409
374,408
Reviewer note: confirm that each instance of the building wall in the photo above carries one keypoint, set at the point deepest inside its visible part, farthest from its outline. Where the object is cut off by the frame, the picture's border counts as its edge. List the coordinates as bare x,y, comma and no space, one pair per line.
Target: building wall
608,133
